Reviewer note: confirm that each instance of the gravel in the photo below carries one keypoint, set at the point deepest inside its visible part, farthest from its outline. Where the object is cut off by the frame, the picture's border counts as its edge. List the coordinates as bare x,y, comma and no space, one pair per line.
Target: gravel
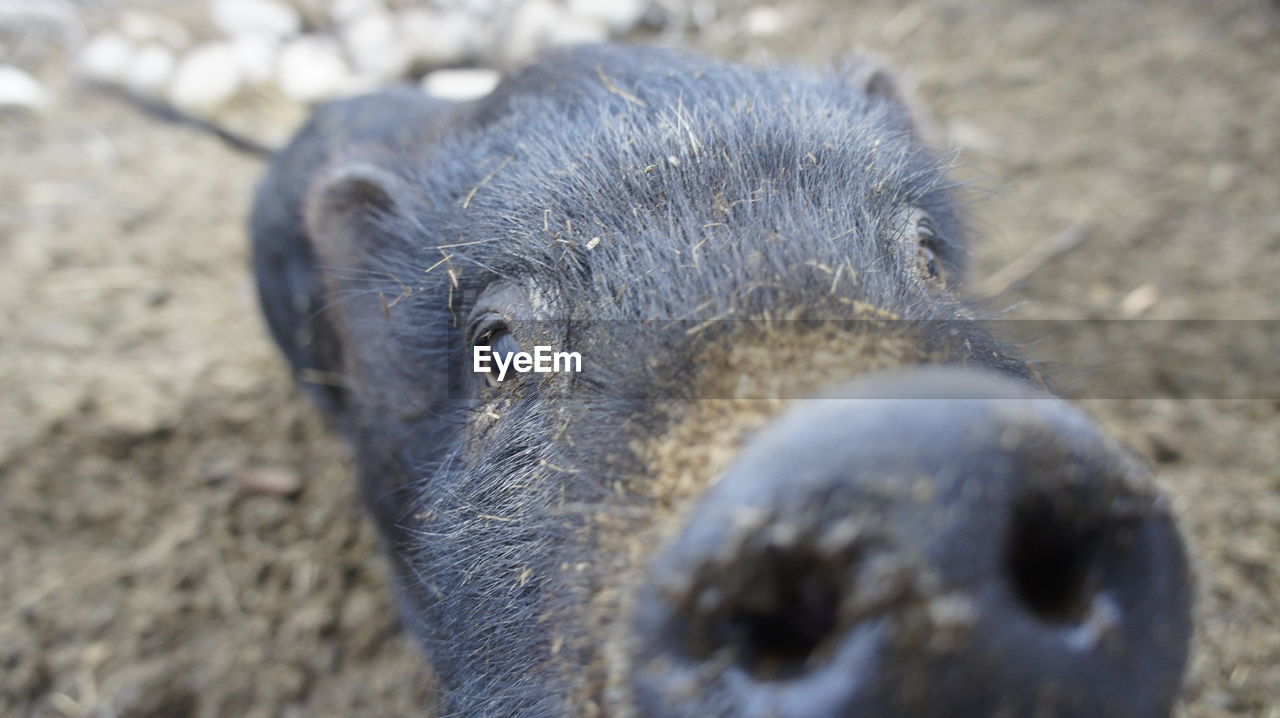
460,84
106,58
206,78
255,17
312,68
151,69
309,51
21,90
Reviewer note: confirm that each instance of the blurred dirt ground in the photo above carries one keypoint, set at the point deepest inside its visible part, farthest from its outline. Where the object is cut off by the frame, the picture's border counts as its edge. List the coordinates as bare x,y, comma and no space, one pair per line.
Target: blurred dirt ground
139,576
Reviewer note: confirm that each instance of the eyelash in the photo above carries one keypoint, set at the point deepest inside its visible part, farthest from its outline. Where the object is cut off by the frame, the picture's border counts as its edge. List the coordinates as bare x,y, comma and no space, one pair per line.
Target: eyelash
929,248
932,263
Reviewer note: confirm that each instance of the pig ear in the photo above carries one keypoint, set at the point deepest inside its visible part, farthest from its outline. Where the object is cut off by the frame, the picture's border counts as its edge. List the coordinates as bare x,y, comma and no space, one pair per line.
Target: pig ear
346,216
876,81
350,218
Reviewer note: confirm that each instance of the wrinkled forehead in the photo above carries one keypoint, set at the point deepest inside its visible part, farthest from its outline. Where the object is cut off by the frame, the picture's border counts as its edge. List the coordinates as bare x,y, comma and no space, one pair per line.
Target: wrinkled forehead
766,267
701,212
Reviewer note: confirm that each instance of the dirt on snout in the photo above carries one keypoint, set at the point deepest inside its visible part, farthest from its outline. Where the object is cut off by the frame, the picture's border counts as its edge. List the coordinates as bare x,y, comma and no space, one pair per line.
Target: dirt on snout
180,532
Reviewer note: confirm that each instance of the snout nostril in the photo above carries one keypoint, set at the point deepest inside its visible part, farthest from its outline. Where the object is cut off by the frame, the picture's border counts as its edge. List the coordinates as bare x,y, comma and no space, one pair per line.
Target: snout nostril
776,611
1049,560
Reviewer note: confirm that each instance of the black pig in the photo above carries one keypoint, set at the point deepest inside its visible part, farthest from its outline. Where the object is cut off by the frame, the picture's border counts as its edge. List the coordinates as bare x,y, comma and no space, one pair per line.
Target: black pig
676,530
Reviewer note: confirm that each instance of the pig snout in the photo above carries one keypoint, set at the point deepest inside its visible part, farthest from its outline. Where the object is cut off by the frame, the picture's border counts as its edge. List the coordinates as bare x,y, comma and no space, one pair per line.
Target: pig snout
936,542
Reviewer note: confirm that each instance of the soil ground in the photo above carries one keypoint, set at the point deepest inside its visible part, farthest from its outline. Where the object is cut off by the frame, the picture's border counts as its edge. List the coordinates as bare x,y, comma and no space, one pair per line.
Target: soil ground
141,395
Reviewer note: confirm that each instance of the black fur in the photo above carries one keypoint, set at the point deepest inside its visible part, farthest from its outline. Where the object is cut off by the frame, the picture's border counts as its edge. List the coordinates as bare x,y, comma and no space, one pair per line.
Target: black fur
616,186
767,172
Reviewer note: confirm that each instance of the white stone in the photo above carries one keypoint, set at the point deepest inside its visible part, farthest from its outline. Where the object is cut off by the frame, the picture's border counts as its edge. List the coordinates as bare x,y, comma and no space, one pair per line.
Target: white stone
701,13
376,47
345,11
763,21
106,58
621,16
972,136
206,77
435,38
531,28
576,31
18,89
151,69
460,84
480,8
1137,302
42,18
256,17
311,69
257,57
143,28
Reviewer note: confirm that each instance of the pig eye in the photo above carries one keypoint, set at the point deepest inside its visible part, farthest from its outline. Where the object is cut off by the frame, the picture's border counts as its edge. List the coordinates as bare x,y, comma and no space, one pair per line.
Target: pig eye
501,344
928,249
929,262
